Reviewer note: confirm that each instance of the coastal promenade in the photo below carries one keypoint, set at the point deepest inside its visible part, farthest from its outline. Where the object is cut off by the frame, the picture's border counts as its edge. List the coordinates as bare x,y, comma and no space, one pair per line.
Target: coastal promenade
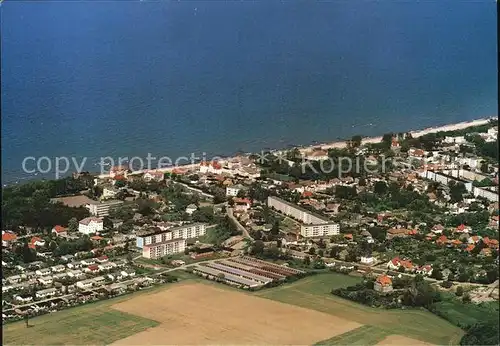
337,144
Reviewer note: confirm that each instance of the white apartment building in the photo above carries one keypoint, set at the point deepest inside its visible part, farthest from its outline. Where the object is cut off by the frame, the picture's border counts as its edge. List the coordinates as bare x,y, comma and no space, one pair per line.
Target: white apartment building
455,140
90,225
322,230
312,225
109,192
293,210
472,162
169,247
157,235
102,209
233,190
367,260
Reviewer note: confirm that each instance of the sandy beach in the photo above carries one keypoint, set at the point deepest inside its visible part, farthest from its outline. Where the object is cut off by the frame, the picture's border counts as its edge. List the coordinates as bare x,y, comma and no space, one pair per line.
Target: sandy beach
415,133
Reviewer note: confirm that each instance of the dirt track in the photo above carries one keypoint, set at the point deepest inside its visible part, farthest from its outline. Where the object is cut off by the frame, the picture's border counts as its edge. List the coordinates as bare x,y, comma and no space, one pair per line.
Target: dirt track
204,314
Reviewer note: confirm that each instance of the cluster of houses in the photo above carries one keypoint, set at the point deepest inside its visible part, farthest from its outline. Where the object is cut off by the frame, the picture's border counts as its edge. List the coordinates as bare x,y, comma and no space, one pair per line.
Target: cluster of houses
36,283
396,263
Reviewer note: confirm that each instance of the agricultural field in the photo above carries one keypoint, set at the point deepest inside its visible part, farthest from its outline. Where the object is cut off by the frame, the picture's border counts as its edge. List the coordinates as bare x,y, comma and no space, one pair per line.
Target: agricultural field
314,293
195,313
89,324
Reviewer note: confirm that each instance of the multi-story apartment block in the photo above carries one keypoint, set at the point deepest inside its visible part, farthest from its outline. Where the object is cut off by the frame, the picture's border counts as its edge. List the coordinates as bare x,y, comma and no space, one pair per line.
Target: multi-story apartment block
102,209
233,190
155,235
322,230
312,225
169,247
157,242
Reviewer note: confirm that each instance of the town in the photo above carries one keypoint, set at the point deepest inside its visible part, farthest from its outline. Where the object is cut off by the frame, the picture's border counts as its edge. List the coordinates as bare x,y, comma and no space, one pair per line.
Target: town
425,214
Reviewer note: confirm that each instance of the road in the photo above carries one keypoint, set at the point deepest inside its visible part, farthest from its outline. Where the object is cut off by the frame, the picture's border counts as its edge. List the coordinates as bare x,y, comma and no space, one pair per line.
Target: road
229,212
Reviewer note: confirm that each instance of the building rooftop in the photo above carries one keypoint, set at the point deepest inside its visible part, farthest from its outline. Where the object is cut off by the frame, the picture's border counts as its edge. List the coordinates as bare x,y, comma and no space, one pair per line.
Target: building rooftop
300,208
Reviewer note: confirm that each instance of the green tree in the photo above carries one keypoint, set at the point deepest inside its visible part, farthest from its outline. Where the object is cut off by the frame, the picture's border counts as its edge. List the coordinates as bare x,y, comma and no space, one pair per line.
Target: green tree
456,191
437,274
27,253
73,225
378,233
356,141
120,183
312,251
107,223
307,260
380,187
482,333
204,214
460,291
484,167
334,252
258,247
387,140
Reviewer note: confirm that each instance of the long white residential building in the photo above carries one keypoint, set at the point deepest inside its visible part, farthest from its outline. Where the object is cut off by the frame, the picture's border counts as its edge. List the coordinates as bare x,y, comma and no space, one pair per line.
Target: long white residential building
157,235
312,225
443,178
156,242
169,247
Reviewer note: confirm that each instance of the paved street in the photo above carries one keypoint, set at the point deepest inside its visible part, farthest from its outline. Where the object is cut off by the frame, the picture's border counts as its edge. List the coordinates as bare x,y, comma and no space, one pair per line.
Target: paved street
229,212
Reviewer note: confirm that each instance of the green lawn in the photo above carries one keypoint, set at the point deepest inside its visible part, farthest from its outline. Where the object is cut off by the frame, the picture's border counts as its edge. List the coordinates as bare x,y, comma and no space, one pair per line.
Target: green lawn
90,324
365,335
466,314
314,293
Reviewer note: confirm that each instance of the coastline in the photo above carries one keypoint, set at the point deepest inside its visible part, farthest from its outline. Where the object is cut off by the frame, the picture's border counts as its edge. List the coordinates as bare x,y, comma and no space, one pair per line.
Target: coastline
414,133
339,144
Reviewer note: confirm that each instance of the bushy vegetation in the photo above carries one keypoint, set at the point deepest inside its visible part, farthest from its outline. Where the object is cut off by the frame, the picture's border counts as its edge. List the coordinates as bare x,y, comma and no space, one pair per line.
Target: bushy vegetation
480,321
413,293
30,205
364,294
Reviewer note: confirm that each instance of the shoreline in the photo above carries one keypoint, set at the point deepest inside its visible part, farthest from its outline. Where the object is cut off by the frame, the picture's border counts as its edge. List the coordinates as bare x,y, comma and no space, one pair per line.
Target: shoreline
338,144
415,133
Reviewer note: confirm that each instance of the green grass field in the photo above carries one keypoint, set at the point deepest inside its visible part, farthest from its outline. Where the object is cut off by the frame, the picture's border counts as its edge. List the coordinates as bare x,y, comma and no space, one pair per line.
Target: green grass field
91,324
466,314
314,293
365,335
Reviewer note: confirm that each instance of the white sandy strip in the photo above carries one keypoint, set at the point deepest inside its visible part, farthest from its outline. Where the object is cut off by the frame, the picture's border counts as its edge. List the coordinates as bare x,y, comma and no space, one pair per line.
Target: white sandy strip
417,133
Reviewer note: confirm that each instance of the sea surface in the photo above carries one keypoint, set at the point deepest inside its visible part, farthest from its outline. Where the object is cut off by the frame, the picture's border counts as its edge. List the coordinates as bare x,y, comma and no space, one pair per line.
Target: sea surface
128,78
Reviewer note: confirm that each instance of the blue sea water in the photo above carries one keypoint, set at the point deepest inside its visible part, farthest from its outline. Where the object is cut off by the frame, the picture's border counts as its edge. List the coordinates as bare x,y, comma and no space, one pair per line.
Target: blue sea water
124,78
